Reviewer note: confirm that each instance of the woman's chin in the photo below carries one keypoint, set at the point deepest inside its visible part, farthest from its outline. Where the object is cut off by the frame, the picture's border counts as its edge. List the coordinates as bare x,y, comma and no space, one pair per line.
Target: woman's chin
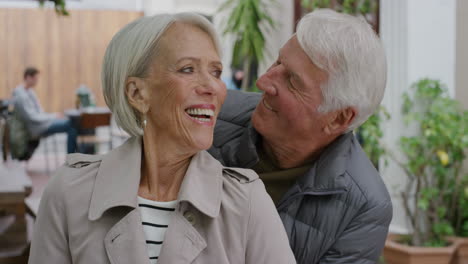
202,143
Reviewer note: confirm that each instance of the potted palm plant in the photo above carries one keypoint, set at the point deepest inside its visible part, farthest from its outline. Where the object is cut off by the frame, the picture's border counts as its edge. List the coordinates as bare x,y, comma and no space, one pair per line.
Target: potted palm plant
248,20
433,162
59,5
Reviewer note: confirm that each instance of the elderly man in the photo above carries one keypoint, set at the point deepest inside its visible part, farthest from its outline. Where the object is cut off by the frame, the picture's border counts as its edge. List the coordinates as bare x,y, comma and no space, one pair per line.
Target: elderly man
298,136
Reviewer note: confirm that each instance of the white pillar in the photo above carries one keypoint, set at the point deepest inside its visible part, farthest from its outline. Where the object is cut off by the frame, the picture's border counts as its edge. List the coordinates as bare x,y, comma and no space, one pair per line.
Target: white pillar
393,31
419,39
461,76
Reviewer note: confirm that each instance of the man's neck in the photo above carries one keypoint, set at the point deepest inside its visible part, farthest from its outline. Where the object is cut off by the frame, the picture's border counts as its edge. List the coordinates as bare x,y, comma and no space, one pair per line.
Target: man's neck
27,86
293,155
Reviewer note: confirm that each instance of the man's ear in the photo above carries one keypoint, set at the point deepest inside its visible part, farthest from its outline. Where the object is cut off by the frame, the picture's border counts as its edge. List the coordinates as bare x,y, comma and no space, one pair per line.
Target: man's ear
340,120
138,94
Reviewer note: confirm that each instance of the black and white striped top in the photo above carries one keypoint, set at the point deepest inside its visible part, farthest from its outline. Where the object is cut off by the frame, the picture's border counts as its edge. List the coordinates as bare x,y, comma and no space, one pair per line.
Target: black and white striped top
155,217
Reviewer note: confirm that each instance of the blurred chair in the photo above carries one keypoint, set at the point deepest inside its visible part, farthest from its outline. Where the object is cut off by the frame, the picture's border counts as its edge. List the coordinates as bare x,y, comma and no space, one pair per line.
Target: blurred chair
6,110
4,140
45,141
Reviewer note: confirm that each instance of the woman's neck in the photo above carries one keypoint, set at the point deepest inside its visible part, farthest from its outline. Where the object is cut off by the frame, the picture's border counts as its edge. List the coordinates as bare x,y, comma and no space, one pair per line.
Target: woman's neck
164,164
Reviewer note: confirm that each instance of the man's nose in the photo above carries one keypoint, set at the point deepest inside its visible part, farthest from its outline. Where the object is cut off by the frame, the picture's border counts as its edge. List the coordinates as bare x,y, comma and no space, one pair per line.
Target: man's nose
266,83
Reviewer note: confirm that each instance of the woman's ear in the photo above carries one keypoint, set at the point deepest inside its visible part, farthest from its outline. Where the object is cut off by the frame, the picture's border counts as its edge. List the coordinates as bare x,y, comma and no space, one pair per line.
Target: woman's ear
137,92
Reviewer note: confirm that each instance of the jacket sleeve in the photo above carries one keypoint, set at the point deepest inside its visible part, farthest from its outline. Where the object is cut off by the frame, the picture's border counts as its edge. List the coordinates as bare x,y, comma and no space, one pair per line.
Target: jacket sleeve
28,114
363,239
267,241
50,238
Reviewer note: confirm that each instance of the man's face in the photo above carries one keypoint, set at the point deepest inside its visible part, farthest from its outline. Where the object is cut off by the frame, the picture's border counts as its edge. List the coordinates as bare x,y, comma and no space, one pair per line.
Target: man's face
31,81
288,110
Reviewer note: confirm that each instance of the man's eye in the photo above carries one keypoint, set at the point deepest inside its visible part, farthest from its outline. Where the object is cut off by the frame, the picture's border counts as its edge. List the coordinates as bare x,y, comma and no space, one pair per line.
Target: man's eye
273,65
186,70
217,73
290,82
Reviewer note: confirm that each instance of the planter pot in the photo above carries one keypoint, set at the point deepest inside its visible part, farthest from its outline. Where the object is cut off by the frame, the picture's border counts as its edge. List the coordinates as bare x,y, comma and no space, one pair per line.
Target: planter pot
461,254
396,253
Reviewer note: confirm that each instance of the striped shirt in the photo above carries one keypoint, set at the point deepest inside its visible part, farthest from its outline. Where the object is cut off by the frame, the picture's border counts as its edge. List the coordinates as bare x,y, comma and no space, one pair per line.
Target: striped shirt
155,217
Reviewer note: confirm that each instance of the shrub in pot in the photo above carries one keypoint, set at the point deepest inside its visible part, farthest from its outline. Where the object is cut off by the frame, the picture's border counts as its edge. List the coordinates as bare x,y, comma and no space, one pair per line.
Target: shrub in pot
433,160
370,135
460,222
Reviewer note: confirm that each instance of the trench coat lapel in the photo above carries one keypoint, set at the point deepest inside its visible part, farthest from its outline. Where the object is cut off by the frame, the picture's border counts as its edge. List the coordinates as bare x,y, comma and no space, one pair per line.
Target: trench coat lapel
182,244
125,241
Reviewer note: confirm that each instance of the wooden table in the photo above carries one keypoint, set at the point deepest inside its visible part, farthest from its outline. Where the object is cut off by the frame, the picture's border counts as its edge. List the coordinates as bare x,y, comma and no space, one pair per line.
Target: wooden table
87,120
90,117
15,186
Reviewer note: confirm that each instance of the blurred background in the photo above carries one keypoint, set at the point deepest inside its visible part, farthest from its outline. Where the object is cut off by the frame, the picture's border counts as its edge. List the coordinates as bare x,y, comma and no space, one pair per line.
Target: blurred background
427,47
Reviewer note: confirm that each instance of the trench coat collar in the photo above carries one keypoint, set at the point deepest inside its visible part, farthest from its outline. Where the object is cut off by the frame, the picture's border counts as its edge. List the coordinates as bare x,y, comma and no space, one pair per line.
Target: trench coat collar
119,174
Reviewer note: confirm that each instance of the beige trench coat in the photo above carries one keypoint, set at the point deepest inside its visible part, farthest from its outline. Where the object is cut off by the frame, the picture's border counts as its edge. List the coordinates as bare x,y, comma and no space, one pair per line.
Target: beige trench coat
88,214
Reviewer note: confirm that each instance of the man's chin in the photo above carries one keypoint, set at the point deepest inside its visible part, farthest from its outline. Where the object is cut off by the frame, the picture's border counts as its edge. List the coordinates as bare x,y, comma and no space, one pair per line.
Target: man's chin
257,121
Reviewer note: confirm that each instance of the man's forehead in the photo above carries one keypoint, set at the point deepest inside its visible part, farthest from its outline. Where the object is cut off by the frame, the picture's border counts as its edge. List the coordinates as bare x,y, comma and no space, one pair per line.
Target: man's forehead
298,62
291,54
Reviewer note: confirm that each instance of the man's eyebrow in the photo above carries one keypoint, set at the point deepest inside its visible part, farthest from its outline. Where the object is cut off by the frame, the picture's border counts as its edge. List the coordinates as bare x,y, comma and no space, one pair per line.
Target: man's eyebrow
292,73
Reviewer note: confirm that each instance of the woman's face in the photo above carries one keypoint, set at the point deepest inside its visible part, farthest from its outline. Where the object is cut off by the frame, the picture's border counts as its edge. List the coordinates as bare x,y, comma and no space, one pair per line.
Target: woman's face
186,92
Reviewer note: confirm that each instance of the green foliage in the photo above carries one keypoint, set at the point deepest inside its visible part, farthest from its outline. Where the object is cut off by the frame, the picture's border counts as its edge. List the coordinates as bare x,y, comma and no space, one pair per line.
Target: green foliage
462,220
371,134
434,158
343,6
244,23
60,6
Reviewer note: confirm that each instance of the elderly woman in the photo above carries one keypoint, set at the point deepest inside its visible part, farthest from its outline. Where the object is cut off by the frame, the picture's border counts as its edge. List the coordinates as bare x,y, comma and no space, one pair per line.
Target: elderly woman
159,198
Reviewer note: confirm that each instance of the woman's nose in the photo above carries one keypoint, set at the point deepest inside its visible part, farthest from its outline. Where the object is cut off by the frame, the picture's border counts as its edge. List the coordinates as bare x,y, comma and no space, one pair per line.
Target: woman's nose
208,86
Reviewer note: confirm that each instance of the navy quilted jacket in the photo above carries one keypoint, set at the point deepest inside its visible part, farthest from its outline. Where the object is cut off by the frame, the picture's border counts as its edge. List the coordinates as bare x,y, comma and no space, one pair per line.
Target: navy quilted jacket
338,212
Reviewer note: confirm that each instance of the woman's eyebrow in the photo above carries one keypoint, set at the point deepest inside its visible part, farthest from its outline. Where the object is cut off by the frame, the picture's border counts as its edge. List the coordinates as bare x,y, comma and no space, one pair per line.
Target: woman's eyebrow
198,60
188,58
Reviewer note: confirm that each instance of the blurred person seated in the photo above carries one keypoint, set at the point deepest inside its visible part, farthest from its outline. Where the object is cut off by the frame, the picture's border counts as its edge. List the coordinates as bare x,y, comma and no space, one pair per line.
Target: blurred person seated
234,82
37,122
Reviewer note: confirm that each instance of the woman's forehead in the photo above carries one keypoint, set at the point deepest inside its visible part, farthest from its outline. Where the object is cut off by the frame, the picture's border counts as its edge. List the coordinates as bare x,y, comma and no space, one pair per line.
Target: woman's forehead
186,40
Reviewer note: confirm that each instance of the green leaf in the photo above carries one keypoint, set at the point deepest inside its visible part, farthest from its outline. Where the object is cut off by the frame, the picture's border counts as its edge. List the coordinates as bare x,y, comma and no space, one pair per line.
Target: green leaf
423,204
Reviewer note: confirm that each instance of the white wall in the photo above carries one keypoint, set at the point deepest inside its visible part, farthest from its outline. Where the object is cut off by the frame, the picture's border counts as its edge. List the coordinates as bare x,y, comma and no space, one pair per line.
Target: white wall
205,7
131,5
419,38
431,40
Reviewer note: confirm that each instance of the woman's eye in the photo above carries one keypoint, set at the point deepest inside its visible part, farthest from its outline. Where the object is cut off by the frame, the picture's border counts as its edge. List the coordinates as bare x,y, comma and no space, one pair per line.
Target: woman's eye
186,70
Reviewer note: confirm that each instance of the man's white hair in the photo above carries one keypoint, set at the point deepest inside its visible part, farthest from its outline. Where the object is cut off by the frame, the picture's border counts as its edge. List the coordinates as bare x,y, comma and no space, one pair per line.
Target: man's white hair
348,49
130,54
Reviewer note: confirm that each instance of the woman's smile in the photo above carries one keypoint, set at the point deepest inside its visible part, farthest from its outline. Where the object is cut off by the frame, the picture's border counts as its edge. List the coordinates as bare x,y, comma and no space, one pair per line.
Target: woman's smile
203,114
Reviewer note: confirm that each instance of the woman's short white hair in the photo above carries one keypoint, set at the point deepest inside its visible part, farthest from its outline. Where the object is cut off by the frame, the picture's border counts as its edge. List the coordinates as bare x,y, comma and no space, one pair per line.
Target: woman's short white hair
348,49
131,53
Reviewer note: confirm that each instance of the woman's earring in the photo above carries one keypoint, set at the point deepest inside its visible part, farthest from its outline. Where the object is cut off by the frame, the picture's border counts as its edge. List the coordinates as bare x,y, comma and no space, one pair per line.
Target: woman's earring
144,122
